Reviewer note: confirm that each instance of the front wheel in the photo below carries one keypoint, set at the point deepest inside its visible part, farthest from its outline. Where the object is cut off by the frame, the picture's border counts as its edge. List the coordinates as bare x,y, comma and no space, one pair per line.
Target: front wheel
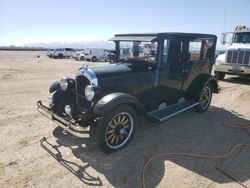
116,129
82,58
94,59
205,99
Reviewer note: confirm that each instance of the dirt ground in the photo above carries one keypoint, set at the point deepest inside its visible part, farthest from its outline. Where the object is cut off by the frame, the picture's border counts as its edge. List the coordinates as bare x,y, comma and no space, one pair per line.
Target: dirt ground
63,160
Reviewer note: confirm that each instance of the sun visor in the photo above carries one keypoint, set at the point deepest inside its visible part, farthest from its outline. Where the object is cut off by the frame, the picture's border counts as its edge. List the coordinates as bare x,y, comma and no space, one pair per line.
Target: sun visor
134,38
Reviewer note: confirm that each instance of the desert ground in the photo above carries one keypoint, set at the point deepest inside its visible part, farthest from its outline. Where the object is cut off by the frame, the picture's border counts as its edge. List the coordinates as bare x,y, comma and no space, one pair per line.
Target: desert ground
62,160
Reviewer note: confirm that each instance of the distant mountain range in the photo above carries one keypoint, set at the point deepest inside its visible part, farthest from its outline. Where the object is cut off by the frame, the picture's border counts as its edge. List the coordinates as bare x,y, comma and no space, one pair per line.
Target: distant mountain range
78,45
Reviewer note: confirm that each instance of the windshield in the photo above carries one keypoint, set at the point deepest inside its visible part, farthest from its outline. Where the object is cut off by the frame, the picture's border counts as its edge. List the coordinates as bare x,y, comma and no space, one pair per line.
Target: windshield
242,37
138,51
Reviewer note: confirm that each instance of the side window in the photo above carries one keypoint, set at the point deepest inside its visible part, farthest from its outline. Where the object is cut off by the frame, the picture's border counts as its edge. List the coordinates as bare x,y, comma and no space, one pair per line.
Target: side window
165,51
194,51
175,51
208,49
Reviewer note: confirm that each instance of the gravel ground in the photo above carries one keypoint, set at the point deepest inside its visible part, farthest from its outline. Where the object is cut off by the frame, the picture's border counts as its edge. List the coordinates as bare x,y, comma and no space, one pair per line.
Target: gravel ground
66,161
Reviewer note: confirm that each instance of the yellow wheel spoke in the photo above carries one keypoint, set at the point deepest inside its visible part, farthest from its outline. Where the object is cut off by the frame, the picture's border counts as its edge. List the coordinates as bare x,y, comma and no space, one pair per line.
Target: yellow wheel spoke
110,131
113,139
126,121
112,126
119,119
111,136
115,122
117,139
123,118
126,126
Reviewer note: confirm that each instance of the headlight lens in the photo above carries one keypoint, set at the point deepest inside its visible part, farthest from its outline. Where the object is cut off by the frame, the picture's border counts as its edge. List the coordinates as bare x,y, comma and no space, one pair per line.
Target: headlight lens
63,84
89,93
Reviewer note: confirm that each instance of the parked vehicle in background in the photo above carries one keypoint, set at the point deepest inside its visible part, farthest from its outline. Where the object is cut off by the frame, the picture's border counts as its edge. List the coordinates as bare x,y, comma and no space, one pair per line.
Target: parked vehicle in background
155,75
96,55
111,55
79,56
236,60
63,52
50,52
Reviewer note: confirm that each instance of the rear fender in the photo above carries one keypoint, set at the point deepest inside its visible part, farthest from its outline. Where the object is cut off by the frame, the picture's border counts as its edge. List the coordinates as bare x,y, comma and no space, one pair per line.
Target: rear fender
113,100
197,86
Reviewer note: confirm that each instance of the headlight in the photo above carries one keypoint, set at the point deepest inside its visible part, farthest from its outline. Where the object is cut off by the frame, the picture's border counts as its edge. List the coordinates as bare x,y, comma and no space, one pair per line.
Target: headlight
89,92
63,84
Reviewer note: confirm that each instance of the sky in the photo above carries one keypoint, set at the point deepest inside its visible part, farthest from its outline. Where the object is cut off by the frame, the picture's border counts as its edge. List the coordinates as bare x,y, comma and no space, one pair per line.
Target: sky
30,21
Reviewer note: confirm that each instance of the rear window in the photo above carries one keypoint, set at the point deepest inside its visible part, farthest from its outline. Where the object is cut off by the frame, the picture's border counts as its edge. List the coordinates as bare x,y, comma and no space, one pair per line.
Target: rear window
194,51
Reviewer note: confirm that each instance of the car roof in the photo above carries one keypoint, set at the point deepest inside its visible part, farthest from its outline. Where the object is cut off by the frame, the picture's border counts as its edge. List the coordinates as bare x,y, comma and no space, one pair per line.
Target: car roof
152,36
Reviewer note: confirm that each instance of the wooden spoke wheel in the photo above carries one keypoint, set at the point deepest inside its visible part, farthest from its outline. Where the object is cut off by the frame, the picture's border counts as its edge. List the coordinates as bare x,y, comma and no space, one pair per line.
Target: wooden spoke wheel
205,99
115,129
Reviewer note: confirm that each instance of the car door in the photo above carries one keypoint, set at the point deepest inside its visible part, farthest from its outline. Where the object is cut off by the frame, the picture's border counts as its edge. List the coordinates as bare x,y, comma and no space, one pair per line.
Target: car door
199,59
171,70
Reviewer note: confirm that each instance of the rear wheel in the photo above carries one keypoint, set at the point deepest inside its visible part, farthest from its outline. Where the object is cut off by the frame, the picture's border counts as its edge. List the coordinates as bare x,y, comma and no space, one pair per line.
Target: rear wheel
116,129
60,56
220,75
94,59
82,58
205,99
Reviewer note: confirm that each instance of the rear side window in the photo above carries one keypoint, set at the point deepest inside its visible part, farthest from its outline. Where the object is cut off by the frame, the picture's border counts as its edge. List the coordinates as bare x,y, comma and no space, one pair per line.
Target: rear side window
194,51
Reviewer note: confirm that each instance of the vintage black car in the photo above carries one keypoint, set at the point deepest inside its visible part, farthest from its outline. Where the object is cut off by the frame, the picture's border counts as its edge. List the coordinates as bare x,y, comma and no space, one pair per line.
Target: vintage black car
155,75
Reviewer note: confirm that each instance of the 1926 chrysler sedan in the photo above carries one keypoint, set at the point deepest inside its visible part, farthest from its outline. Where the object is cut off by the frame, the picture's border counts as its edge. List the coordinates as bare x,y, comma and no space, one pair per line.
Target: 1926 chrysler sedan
156,75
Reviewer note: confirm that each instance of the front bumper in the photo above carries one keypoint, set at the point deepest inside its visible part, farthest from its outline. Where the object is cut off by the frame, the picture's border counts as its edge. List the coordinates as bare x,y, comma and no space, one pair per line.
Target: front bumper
232,69
67,124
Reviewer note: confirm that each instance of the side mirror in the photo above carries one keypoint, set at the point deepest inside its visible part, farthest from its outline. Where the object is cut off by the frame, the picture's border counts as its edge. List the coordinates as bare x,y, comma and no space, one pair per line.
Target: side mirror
223,38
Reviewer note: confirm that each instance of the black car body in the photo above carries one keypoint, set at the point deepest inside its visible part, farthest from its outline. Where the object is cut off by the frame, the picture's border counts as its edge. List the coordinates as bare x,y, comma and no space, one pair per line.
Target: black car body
155,75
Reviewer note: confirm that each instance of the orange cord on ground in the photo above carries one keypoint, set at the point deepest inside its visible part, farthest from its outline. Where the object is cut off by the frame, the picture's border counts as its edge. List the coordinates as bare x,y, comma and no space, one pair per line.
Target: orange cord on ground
204,156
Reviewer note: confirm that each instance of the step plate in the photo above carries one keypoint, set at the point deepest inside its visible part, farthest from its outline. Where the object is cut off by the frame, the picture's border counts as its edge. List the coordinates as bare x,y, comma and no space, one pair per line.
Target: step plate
172,110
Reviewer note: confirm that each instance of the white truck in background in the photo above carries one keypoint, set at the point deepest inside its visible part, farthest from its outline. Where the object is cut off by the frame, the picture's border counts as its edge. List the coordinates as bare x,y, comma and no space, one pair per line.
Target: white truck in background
79,55
96,55
236,60
50,53
63,52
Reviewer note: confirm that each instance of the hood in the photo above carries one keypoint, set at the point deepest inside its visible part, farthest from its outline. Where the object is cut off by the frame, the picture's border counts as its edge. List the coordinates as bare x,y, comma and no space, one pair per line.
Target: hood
119,69
121,77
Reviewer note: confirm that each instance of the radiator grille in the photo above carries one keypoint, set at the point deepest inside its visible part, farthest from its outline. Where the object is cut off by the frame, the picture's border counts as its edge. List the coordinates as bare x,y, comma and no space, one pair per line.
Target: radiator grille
238,57
81,83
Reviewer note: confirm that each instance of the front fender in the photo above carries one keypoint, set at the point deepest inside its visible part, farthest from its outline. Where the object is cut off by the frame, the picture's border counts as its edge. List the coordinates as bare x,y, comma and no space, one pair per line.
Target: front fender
112,100
56,85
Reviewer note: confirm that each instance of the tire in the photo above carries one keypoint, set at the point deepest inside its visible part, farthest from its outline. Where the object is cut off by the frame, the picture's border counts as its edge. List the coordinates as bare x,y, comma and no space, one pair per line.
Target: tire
220,75
116,128
82,58
60,56
205,99
94,59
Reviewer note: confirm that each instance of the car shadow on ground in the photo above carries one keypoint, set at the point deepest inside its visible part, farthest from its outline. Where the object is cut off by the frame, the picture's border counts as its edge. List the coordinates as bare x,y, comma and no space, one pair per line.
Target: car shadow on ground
188,132
238,79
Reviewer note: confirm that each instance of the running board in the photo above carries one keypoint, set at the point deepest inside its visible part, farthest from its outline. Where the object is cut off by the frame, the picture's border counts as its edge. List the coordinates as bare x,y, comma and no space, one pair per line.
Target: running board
163,114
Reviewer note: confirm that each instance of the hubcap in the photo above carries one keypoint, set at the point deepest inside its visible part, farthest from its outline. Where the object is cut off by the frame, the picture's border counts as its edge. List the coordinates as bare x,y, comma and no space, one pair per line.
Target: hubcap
205,97
119,130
